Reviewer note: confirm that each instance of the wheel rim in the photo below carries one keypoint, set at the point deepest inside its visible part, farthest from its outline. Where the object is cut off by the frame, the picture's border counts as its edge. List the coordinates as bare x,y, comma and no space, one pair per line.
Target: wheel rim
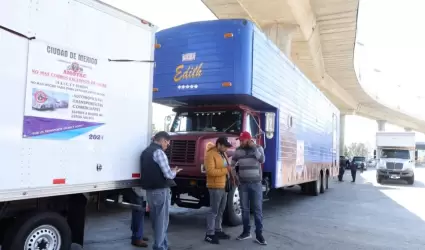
44,237
237,203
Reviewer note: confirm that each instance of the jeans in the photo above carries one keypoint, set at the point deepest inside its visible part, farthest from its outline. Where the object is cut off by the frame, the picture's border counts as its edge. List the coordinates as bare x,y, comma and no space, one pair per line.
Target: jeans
137,215
353,174
159,202
252,193
341,173
218,201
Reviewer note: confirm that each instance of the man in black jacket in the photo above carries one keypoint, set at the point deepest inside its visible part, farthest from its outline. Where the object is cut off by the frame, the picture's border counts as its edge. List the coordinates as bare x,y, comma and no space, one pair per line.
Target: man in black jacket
157,178
342,166
353,171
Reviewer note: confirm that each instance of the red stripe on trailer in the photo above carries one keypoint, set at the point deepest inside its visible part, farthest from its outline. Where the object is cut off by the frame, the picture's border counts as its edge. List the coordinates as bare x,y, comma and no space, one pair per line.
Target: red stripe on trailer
135,175
59,181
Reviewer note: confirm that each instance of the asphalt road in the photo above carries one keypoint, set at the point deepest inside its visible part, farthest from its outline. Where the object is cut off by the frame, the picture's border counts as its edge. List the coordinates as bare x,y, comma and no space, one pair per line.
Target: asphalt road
361,215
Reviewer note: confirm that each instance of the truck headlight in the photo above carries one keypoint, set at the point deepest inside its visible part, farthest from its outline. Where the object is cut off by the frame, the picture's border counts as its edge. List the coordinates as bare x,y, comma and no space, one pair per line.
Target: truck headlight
408,166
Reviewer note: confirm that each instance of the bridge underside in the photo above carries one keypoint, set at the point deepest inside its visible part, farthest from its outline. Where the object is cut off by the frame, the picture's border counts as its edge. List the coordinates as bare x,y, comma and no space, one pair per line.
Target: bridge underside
319,36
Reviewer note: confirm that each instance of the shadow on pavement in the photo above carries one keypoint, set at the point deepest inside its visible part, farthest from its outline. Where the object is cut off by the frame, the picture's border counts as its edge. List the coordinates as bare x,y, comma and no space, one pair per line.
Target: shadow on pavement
402,183
347,216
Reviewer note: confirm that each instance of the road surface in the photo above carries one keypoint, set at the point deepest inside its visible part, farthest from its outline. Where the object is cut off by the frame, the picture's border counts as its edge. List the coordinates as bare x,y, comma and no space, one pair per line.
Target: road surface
363,215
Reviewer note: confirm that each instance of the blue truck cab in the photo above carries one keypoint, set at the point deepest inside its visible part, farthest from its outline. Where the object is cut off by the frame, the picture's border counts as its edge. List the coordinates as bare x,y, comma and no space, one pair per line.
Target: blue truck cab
223,77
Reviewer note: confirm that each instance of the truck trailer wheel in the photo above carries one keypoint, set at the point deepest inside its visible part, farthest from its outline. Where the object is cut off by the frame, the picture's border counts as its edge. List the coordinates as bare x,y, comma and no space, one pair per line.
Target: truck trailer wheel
315,187
233,212
326,180
47,230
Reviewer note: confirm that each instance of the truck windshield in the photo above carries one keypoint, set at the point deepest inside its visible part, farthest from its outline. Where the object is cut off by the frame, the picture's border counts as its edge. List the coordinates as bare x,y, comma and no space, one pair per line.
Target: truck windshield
359,158
211,121
395,153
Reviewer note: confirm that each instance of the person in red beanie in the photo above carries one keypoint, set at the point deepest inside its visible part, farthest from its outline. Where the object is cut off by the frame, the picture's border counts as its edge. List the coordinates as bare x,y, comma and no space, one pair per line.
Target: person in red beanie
247,159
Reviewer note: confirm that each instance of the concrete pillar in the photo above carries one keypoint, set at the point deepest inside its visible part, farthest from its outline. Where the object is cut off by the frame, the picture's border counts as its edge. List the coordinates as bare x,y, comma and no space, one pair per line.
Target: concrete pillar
341,134
281,35
408,129
381,125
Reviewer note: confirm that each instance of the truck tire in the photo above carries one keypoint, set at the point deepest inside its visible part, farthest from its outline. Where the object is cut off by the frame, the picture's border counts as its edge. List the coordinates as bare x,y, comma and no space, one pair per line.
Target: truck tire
326,181
233,212
315,187
378,179
411,180
38,230
305,188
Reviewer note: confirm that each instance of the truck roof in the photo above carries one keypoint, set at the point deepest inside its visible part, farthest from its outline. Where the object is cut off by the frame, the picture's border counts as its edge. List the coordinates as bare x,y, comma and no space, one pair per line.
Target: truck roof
208,61
395,139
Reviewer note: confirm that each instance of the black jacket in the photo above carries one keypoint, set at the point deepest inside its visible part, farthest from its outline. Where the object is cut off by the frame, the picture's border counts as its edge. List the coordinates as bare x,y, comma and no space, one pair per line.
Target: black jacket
151,173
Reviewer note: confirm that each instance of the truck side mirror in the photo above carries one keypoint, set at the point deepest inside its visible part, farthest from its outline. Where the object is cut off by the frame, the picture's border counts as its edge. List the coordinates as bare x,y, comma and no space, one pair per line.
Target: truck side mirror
374,154
416,155
270,124
167,123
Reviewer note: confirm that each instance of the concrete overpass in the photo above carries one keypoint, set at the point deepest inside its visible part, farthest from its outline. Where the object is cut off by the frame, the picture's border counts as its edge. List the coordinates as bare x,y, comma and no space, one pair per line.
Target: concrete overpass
320,37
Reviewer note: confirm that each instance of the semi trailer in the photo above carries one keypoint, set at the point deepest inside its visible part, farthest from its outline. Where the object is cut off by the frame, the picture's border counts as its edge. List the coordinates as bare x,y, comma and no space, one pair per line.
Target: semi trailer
223,77
97,61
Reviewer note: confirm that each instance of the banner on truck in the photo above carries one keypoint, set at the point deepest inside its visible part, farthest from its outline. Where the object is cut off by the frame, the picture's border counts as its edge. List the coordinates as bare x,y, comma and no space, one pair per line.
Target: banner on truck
65,93
300,156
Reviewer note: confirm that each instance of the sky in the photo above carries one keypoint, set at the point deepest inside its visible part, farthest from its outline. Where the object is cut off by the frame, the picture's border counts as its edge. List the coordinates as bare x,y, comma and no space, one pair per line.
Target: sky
390,45
390,51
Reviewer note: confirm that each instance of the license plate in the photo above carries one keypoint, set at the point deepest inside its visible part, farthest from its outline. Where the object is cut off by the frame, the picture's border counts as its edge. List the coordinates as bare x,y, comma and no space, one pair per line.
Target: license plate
395,176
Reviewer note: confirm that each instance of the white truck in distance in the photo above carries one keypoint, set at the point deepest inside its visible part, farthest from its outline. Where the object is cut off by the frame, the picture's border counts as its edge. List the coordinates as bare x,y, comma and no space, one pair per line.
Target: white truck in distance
97,63
396,155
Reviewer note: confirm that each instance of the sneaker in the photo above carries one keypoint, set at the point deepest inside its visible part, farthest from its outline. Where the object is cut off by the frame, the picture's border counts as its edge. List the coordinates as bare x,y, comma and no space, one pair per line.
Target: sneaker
260,239
212,239
244,236
222,235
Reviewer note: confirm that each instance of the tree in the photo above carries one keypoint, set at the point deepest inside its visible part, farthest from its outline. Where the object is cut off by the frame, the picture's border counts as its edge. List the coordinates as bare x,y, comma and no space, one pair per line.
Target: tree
356,149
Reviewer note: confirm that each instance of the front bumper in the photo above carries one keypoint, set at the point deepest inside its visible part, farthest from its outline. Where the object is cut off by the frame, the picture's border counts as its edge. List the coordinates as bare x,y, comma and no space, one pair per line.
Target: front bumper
360,166
394,174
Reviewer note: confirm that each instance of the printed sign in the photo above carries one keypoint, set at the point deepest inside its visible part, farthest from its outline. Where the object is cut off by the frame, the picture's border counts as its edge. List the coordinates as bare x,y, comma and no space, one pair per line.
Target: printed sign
190,72
65,93
279,174
188,57
300,156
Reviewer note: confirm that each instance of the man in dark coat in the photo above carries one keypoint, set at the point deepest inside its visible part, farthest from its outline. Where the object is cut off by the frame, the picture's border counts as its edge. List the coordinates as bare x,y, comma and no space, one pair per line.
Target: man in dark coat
342,164
353,171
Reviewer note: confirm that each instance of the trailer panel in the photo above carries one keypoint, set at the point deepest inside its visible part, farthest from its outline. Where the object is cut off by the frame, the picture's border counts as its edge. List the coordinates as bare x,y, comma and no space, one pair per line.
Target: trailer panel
60,51
307,122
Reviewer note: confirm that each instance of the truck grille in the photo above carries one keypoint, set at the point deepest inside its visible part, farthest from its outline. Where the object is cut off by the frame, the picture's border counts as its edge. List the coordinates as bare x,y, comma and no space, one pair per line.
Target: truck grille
182,151
393,165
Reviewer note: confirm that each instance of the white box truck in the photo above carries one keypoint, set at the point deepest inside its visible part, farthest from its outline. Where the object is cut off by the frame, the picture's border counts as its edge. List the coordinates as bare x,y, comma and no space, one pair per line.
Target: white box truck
95,64
396,155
